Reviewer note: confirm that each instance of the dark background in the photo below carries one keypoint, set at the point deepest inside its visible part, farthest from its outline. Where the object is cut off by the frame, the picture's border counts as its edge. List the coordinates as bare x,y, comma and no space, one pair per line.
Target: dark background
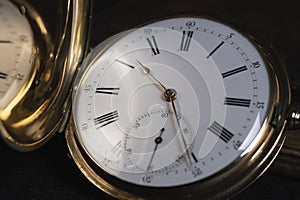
50,173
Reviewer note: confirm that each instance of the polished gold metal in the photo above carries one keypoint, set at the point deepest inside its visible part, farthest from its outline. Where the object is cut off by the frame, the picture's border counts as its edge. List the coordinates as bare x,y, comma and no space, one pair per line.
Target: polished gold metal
231,180
39,112
169,95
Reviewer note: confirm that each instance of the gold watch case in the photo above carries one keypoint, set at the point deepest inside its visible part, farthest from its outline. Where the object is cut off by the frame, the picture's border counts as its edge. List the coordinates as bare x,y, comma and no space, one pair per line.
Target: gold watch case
229,181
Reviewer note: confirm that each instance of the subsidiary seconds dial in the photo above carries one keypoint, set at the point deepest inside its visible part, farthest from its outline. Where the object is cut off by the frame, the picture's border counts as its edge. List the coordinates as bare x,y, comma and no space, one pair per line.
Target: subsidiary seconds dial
145,145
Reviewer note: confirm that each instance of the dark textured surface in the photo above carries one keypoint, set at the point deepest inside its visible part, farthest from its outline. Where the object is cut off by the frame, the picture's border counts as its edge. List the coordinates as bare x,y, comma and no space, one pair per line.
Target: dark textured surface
49,173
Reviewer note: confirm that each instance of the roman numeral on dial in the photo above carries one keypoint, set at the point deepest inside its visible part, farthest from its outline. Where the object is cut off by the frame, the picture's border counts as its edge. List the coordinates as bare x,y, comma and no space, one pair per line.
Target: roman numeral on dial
113,91
5,41
153,45
194,157
237,102
186,40
3,75
124,63
234,71
221,132
215,49
106,119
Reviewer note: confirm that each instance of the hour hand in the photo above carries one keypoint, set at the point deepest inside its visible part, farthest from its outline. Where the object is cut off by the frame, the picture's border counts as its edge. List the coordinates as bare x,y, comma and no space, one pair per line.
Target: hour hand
147,71
124,63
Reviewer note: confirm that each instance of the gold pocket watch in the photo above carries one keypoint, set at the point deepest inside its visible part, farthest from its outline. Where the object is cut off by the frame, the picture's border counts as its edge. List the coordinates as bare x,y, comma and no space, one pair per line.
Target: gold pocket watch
183,107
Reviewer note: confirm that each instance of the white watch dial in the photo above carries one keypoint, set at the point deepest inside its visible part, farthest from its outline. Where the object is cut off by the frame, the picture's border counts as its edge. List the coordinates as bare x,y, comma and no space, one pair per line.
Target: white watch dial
16,51
130,131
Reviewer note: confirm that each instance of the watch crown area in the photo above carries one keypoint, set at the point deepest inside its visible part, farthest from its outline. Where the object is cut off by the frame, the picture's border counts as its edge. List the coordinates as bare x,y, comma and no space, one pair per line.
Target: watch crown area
294,117
294,108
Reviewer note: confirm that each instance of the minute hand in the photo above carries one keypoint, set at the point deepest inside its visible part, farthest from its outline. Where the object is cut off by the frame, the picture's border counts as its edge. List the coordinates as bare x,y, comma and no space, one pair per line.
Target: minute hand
168,95
171,93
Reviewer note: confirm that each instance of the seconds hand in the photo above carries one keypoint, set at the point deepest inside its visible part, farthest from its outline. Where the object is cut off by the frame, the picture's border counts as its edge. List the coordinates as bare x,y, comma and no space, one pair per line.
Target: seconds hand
157,141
